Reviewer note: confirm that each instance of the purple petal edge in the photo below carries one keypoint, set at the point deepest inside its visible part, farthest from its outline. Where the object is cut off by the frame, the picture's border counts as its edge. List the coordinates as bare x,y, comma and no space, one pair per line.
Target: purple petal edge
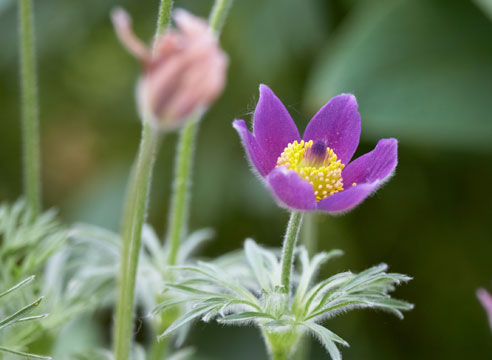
273,126
377,164
348,199
338,125
369,172
253,150
290,190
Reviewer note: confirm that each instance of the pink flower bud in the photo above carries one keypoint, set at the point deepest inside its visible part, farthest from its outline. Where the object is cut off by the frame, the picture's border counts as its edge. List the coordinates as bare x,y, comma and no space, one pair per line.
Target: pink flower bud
183,73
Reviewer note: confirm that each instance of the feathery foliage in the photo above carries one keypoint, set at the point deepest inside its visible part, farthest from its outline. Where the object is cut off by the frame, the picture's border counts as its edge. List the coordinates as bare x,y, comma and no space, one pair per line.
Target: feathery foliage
17,319
26,241
245,289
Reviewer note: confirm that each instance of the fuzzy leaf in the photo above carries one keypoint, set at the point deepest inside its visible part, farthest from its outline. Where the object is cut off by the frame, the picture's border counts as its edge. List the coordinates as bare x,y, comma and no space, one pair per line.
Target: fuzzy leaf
245,316
19,315
327,339
17,286
23,354
186,318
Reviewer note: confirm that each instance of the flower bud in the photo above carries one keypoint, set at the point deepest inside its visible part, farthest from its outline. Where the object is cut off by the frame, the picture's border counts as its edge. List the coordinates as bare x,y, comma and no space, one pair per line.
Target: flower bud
183,73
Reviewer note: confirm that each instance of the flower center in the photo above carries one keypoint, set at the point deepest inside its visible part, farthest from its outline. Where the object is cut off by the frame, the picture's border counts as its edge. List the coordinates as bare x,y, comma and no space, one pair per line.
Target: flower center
317,164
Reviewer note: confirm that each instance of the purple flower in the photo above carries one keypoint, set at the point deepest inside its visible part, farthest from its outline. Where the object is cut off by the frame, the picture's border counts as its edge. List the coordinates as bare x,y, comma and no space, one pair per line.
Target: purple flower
315,172
486,300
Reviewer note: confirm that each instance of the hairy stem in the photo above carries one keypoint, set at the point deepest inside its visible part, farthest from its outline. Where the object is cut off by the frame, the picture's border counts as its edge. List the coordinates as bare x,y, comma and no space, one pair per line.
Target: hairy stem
219,14
131,234
164,16
159,349
309,235
180,194
180,198
309,238
184,158
30,113
288,247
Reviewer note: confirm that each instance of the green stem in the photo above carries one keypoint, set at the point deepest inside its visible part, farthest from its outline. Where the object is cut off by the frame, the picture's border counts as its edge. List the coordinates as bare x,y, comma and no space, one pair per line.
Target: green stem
30,115
164,16
159,349
309,239
180,198
279,356
219,14
180,194
303,349
310,233
290,240
133,220
184,158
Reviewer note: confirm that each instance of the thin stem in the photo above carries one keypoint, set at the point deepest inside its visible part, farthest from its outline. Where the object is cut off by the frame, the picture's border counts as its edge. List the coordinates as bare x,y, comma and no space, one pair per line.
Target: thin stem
310,233
181,186
309,238
30,114
219,14
164,16
131,234
290,240
159,349
180,197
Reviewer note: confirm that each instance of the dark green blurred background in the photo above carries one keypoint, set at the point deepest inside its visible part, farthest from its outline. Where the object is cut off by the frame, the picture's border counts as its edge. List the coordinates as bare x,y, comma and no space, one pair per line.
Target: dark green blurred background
422,72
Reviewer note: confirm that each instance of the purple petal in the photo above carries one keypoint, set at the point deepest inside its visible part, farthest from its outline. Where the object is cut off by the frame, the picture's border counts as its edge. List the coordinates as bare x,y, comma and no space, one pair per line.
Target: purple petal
291,190
375,165
346,200
253,150
486,300
274,129
338,125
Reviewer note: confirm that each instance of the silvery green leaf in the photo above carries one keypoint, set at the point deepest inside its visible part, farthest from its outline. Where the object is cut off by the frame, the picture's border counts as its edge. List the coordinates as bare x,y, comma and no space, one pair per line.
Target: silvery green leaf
327,339
182,354
20,314
187,317
17,286
245,317
257,264
310,268
23,355
277,323
193,243
326,287
240,290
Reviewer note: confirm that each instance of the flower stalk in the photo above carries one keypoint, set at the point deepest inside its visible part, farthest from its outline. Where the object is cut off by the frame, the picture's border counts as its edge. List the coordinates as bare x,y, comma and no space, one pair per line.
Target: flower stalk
288,247
180,197
30,111
181,194
164,16
133,220
219,14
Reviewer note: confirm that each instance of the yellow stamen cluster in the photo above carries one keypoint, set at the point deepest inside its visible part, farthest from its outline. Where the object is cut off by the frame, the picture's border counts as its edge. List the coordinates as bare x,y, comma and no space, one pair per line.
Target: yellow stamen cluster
323,172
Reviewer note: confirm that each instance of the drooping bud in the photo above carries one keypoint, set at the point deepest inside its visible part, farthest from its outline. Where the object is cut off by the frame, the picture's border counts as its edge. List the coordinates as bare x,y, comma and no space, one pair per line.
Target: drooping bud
184,72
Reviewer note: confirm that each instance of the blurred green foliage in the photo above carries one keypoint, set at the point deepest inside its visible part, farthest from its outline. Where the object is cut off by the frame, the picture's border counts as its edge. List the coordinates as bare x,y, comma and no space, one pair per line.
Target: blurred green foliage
421,71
